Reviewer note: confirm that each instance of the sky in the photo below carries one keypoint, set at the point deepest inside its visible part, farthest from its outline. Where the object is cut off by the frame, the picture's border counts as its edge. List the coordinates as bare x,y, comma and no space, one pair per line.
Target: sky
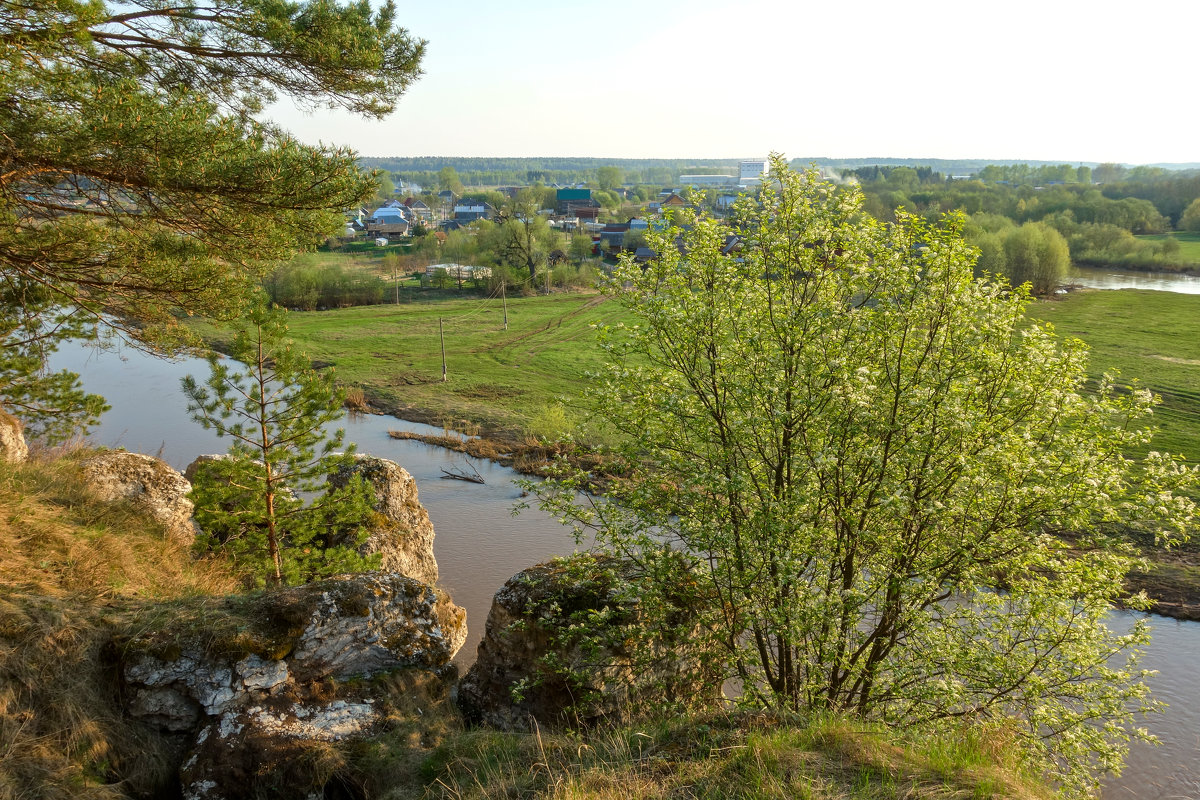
1053,80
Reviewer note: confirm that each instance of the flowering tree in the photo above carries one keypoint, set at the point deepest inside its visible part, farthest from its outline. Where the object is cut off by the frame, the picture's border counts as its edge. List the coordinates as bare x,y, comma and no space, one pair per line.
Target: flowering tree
896,494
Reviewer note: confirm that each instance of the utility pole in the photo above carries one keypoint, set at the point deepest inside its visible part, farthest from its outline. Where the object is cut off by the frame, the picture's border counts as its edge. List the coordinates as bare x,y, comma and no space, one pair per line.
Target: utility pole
442,338
504,301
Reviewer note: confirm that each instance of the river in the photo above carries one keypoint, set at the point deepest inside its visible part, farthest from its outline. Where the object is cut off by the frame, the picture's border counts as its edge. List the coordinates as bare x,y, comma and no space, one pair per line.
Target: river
1106,278
480,544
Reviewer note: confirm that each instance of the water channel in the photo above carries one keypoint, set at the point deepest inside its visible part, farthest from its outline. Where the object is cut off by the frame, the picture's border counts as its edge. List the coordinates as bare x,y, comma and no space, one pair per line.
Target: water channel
1103,278
480,543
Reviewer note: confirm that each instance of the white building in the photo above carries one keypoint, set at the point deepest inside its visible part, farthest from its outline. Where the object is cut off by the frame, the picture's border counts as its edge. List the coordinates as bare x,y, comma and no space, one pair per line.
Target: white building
751,170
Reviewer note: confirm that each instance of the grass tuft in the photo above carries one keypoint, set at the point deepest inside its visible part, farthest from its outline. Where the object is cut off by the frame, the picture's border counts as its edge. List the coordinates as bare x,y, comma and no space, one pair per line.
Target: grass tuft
723,756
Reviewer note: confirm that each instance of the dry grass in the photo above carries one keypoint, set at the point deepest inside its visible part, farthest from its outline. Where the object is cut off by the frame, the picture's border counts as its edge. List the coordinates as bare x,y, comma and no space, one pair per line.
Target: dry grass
735,756
73,572
356,400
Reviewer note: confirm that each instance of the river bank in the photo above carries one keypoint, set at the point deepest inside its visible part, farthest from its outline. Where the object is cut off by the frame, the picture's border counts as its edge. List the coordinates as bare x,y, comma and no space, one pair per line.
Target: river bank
502,380
480,544
1172,581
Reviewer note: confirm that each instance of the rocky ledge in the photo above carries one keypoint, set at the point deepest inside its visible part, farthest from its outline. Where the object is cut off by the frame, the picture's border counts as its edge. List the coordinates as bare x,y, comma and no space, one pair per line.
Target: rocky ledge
254,688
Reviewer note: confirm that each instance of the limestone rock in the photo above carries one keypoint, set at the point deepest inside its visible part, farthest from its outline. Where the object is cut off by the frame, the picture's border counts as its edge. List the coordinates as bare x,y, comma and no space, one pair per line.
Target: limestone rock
147,482
261,686
531,645
404,534
274,749
200,461
12,440
350,626
365,624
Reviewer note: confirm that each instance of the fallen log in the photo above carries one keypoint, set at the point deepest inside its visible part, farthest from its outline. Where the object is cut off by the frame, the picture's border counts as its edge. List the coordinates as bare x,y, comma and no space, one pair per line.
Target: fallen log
457,474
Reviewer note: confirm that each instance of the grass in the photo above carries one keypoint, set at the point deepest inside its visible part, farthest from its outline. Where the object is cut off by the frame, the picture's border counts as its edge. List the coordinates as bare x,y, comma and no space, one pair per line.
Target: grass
726,756
1153,337
73,572
531,377
1189,244
500,380
364,255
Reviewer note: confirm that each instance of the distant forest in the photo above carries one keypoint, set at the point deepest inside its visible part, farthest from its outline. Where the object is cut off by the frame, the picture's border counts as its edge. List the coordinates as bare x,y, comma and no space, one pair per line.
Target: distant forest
490,171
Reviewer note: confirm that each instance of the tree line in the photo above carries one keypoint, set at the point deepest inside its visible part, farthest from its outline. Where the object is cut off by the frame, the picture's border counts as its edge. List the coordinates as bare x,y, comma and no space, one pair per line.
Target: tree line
1100,223
426,170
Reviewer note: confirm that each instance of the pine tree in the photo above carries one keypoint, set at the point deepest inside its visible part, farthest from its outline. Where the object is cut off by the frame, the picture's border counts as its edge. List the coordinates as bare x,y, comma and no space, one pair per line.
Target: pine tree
53,406
252,505
137,182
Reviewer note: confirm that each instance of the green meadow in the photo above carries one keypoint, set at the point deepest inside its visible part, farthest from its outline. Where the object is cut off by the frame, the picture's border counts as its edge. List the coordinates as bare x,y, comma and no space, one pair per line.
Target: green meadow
503,381
1151,337
1189,244
499,380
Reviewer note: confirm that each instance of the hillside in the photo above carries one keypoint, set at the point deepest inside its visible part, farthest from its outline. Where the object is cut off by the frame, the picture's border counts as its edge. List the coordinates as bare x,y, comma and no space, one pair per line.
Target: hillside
79,574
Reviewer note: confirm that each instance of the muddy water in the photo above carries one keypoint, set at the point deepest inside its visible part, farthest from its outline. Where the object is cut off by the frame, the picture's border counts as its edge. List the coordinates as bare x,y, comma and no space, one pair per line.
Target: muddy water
480,544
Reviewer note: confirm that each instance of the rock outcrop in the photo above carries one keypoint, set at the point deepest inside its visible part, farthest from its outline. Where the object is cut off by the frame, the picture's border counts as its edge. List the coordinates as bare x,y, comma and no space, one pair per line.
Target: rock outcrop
12,440
199,462
403,535
258,688
563,644
148,483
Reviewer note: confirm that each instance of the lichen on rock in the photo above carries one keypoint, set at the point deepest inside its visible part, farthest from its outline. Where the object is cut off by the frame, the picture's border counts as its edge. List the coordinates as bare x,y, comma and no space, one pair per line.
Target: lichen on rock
261,686
403,534
564,643
148,483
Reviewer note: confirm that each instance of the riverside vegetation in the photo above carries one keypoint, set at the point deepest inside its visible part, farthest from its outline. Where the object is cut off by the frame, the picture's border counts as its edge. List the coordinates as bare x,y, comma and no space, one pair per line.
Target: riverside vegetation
518,391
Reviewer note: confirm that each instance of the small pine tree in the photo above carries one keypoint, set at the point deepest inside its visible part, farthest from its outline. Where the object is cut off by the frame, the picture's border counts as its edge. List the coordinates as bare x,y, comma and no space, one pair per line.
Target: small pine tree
253,505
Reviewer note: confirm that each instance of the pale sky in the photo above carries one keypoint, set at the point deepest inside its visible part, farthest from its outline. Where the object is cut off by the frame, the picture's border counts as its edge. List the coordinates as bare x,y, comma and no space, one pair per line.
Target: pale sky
1054,80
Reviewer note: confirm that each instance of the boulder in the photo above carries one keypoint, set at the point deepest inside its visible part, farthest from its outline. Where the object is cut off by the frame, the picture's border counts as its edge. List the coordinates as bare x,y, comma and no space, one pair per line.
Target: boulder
12,440
260,687
403,535
563,644
200,461
148,483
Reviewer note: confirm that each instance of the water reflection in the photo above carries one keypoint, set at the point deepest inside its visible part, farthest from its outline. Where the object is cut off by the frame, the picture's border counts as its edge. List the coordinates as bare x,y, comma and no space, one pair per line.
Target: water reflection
1170,770
1105,278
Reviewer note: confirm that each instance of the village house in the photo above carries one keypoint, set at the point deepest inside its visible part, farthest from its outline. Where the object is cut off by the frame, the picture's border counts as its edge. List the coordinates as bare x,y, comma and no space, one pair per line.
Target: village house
418,211
392,231
568,202
469,210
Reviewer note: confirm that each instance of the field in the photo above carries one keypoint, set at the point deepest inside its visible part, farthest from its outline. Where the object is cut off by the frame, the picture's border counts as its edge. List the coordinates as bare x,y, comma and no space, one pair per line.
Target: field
504,381
1153,337
362,255
1189,244
497,379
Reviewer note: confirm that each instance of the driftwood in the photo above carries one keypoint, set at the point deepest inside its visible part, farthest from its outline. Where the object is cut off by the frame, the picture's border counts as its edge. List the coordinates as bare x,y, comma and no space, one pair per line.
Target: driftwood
457,474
